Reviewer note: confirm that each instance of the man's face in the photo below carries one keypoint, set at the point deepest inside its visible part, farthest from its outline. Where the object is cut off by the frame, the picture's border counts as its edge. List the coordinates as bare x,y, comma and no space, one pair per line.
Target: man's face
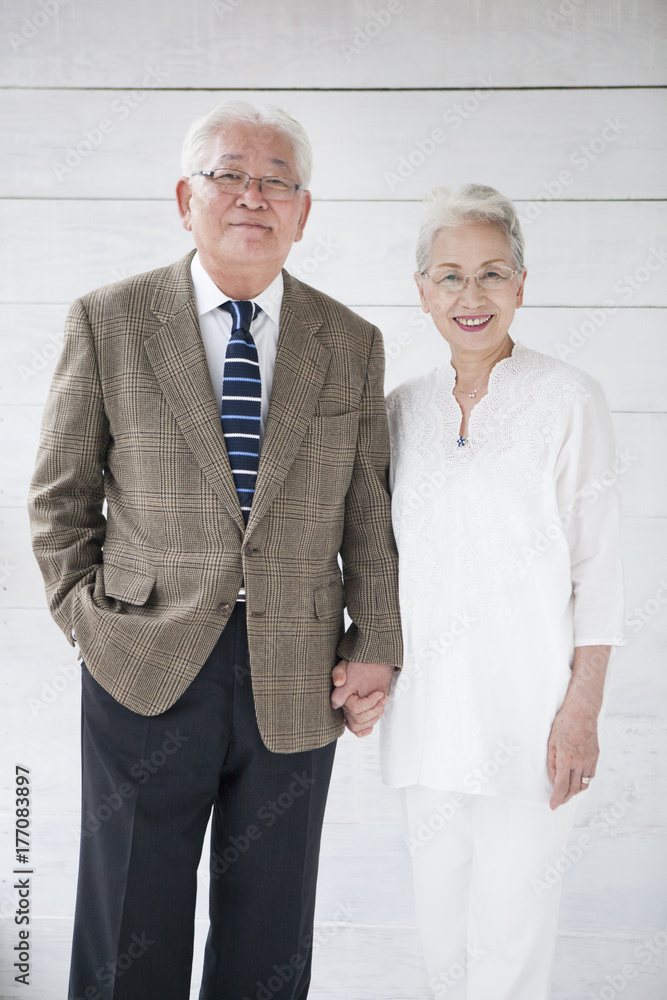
245,230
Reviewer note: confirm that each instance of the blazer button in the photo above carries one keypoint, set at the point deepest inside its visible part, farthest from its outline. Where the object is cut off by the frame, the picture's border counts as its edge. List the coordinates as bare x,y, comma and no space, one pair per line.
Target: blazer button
223,609
249,549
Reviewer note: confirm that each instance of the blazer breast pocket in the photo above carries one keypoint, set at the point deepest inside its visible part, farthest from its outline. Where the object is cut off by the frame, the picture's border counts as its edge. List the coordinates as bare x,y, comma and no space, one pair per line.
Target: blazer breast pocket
336,430
329,599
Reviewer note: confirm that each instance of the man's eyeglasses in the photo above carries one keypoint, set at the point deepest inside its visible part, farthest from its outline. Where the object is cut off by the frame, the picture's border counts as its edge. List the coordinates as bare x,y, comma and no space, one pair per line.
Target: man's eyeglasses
449,280
237,181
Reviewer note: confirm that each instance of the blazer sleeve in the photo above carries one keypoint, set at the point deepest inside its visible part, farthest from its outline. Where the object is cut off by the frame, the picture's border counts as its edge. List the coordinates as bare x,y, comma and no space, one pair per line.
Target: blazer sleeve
368,551
67,490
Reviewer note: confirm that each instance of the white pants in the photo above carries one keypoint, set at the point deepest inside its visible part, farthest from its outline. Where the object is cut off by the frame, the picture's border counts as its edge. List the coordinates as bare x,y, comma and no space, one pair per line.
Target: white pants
486,916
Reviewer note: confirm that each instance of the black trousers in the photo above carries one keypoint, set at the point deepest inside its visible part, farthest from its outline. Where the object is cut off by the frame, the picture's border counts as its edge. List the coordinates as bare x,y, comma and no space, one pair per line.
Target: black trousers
148,788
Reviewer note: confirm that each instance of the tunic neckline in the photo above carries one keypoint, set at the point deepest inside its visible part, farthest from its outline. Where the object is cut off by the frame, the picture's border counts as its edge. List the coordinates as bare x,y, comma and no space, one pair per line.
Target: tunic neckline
502,371
448,370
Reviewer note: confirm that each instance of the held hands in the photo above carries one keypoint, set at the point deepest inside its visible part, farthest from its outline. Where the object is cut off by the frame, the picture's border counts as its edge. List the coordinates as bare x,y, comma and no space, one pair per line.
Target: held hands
572,752
361,690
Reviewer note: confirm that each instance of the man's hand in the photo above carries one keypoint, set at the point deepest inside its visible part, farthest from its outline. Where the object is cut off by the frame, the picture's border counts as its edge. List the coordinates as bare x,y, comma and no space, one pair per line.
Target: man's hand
361,690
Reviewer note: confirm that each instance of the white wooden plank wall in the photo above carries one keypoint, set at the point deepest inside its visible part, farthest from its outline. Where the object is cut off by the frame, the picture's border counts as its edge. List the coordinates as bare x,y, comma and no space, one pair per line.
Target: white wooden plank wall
559,103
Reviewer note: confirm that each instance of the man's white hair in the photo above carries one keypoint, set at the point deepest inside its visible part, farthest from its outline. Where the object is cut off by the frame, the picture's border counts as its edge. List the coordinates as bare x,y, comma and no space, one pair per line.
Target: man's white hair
197,143
471,203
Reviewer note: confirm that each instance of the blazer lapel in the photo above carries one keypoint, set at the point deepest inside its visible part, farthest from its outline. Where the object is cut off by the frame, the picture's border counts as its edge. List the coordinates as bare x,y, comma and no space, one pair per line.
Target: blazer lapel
302,361
176,353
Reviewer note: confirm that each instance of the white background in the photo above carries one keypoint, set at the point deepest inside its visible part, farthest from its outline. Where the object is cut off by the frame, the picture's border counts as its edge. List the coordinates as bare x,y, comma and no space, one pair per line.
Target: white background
523,96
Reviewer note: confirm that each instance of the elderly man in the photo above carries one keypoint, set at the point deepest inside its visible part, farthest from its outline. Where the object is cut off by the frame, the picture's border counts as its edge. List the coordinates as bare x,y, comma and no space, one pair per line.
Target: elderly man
232,419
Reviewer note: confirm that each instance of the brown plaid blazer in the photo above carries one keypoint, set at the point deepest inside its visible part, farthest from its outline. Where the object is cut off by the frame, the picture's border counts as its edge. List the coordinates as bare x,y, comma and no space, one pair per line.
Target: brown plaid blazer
148,585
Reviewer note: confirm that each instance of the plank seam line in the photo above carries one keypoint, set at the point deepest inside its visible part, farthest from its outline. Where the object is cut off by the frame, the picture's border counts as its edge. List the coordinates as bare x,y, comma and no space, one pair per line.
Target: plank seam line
343,90
339,201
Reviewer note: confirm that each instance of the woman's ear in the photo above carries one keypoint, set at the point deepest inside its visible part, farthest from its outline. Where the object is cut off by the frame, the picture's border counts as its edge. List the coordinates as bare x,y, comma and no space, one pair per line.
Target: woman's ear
519,294
419,282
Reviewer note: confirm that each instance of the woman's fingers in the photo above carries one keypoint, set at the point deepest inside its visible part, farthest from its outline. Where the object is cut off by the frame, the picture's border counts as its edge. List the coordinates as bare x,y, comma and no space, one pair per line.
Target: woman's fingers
572,754
361,714
567,779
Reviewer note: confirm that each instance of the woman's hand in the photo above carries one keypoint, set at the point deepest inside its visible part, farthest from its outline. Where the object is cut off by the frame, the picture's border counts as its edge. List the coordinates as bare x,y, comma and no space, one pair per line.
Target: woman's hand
361,690
573,752
573,748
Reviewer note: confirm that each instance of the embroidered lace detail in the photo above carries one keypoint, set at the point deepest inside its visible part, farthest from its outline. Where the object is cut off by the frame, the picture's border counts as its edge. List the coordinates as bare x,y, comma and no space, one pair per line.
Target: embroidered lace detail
486,484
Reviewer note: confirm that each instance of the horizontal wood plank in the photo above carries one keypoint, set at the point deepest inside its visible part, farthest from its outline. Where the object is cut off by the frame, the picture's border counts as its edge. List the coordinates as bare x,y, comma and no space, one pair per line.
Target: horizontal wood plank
352,43
355,961
375,145
625,350
642,439
362,254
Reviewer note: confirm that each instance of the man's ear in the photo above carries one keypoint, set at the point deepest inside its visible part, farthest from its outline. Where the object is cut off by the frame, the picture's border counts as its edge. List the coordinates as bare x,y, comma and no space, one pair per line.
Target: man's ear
183,195
306,202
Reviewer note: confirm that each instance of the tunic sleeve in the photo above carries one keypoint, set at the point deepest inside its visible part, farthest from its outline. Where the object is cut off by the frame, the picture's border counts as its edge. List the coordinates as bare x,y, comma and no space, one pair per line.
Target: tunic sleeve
587,473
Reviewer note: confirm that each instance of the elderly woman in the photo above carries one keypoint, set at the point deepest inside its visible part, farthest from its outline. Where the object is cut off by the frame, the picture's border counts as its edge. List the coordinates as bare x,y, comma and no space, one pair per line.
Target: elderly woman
506,516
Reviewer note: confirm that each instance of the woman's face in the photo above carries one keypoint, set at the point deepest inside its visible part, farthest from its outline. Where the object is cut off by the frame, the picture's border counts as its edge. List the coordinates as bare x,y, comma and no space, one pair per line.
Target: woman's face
473,319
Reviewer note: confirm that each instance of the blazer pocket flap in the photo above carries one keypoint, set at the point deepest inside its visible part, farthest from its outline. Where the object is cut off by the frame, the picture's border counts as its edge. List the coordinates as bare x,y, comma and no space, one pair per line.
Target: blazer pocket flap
329,599
128,585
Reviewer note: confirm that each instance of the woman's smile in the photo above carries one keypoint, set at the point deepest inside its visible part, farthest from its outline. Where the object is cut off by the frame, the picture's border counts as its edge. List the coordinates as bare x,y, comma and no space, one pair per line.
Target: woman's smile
478,322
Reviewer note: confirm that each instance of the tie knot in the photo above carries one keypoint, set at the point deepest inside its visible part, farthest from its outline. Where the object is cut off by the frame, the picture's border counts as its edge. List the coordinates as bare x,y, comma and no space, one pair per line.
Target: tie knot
242,313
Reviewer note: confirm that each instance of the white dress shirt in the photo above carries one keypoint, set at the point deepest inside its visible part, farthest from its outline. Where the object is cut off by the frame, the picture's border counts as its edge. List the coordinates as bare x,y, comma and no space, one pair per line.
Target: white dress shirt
215,325
216,329
509,557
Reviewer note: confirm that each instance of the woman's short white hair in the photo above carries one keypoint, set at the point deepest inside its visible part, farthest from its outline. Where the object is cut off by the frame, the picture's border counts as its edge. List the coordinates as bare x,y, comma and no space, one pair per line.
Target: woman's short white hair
203,130
471,203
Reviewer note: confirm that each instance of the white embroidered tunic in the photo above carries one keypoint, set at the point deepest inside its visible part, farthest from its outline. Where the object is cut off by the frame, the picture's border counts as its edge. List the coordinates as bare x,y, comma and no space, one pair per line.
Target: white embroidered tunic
509,556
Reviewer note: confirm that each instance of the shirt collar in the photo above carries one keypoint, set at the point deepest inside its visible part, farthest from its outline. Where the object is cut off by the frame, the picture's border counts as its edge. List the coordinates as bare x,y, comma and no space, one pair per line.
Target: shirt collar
208,296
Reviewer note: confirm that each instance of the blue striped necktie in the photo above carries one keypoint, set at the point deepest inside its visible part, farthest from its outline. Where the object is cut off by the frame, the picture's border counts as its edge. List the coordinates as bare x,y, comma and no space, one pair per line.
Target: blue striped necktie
241,409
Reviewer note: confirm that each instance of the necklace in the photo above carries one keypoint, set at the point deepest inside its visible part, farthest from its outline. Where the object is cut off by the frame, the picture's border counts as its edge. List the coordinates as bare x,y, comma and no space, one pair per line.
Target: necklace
472,393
